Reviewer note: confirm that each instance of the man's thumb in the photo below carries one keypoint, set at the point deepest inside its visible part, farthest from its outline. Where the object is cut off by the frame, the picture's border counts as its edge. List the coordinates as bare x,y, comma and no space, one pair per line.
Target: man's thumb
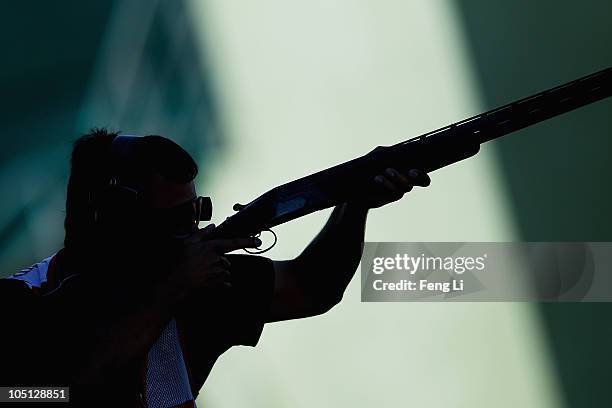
208,229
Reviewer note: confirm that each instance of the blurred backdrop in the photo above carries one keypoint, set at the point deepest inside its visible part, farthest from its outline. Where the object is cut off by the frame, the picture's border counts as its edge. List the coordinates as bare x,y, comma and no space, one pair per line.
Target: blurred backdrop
265,92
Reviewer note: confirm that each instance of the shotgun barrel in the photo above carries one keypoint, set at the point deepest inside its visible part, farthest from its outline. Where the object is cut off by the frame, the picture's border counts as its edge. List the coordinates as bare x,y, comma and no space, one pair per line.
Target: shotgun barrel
429,152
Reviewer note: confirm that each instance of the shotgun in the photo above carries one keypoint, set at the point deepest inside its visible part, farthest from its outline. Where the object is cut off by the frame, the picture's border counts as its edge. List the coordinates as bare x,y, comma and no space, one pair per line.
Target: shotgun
429,152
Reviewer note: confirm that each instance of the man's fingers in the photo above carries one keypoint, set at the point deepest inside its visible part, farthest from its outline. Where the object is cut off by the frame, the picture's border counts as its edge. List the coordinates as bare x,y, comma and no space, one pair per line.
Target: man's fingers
386,184
419,178
402,183
215,272
393,186
214,260
225,278
414,177
218,272
217,277
225,262
200,234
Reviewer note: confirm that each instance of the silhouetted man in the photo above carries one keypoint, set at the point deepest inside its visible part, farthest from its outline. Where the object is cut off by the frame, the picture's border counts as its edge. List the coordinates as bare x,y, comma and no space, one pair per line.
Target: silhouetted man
139,303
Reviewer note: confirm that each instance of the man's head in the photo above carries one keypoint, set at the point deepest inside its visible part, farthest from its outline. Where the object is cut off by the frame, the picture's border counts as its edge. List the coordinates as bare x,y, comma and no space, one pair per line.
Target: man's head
128,202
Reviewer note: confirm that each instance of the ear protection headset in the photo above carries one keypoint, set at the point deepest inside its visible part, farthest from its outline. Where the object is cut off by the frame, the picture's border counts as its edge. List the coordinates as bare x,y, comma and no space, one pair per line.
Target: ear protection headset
121,193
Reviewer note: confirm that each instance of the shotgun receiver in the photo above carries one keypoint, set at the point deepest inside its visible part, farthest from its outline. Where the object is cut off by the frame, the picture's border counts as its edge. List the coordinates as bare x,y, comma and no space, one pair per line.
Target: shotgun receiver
428,152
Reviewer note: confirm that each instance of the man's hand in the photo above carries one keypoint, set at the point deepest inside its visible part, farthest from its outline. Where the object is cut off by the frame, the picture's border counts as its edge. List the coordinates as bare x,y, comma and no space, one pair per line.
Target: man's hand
201,263
391,186
298,291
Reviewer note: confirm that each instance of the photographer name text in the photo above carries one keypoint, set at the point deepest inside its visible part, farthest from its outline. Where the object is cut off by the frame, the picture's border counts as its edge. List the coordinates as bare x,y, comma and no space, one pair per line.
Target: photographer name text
422,264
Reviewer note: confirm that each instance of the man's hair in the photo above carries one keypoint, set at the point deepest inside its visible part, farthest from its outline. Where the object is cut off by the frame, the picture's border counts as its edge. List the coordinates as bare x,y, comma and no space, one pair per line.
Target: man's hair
92,166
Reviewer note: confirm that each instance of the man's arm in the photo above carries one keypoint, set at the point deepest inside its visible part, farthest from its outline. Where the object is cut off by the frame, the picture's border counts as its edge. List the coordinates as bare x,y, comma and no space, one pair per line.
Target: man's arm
129,337
315,281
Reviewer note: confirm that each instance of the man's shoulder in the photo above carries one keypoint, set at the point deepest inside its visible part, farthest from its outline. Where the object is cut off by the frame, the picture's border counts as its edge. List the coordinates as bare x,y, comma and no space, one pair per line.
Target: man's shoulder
34,276
41,277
